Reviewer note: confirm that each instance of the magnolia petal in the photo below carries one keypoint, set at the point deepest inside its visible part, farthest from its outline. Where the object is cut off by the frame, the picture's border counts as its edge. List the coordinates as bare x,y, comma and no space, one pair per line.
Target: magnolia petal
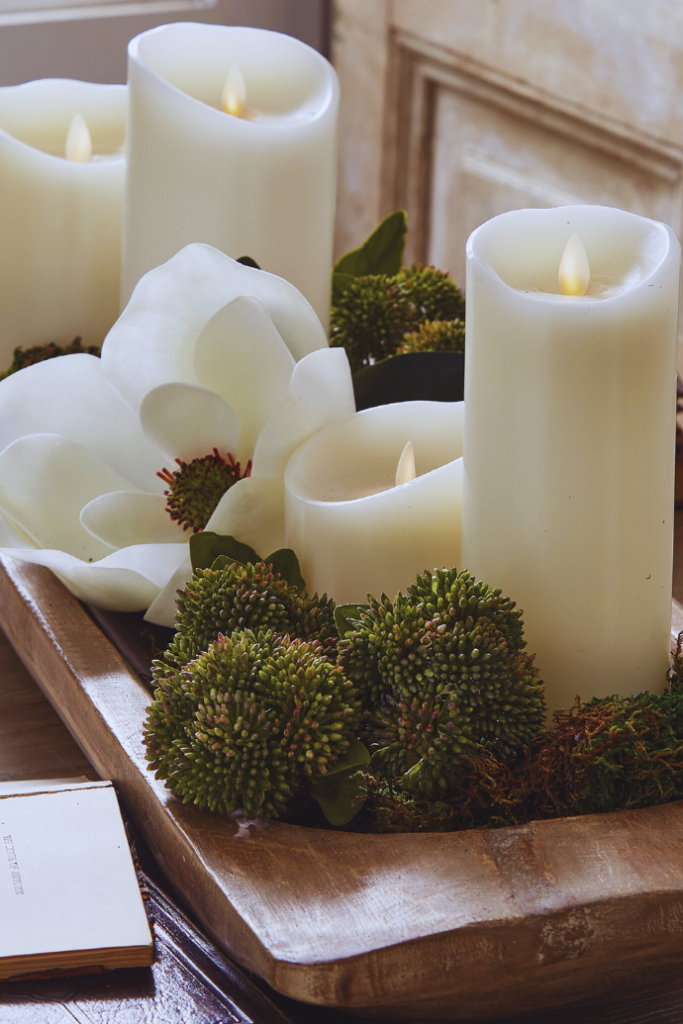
125,581
253,511
124,518
187,422
240,355
163,608
45,481
320,391
10,534
170,306
114,589
70,396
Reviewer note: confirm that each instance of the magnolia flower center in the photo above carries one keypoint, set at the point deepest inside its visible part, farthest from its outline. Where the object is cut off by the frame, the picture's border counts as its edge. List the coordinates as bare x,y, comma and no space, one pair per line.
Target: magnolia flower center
196,488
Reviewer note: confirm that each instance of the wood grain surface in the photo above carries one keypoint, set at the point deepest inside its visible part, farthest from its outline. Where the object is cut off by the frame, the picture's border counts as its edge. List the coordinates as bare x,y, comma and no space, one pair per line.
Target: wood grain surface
467,925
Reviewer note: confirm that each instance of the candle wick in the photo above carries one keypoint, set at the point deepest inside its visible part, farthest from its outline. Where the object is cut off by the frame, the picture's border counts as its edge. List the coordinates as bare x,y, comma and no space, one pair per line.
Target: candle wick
78,146
405,471
234,95
575,273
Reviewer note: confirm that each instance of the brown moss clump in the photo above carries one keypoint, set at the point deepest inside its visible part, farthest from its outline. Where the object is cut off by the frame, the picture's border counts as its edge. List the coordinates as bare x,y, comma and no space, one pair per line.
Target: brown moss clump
610,754
24,357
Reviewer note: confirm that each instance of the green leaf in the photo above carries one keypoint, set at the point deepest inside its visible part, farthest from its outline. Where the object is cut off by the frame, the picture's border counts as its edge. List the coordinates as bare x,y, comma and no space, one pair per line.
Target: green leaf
206,547
357,755
286,563
343,616
412,377
381,253
340,792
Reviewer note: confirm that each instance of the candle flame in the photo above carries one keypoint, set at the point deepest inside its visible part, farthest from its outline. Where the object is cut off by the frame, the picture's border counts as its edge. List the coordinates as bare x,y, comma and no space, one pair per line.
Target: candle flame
234,95
78,145
575,273
405,471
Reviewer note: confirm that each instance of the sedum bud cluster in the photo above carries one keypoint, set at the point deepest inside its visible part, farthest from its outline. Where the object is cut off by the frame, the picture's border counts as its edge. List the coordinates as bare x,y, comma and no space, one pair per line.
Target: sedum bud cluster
375,312
239,597
248,720
443,673
256,693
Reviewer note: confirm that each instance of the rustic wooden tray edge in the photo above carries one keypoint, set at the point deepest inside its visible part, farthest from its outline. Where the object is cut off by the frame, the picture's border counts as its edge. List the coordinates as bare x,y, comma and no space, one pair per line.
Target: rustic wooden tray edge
486,922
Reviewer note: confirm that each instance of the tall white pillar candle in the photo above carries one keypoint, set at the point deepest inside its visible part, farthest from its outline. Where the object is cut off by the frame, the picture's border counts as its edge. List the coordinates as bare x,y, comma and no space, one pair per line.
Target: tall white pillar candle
569,441
259,185
354,530
60,220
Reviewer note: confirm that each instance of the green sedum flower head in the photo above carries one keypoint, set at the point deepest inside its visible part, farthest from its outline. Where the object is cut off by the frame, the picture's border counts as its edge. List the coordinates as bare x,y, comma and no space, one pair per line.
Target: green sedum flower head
433,294
443,671
374,313
435,336
370,320
246,722
239,597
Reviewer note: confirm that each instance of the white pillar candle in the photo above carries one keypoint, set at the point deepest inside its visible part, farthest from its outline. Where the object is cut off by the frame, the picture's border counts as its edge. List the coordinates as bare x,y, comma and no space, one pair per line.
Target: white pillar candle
259,185
353,528
569,440
60,219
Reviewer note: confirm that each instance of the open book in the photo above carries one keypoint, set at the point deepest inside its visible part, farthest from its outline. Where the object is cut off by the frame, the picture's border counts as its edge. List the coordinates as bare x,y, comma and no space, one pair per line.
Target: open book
69,896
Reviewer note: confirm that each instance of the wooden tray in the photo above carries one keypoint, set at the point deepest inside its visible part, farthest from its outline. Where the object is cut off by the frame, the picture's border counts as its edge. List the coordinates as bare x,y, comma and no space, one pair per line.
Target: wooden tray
470,924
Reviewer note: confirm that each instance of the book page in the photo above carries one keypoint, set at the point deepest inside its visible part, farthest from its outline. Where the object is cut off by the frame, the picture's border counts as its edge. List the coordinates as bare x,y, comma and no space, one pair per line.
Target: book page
67,880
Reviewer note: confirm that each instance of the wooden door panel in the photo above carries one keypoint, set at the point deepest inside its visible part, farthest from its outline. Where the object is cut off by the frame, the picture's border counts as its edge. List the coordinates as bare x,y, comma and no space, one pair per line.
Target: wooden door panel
458,110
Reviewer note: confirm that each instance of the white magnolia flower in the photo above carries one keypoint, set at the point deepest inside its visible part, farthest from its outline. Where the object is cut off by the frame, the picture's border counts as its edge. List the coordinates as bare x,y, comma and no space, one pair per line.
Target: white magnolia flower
209,357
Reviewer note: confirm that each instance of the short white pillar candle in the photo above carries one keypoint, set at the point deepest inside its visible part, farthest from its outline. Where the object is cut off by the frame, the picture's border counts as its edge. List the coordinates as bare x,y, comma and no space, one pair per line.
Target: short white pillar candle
60,219
568,483
355,530
259,185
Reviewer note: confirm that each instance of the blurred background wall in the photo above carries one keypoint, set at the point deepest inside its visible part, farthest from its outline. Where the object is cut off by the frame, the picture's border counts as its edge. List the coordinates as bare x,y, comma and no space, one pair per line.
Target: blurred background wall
87,39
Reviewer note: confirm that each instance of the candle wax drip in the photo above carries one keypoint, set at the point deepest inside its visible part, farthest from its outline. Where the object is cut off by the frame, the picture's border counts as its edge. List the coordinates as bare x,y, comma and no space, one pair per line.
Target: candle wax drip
234,95
78,146
575,273
405,471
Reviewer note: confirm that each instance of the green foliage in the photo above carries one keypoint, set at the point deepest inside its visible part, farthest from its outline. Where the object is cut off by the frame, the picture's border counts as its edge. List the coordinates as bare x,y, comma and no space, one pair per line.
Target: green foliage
23,357
346,616
216,551
435,336
443,674
206,547
341,792
380,253
246,722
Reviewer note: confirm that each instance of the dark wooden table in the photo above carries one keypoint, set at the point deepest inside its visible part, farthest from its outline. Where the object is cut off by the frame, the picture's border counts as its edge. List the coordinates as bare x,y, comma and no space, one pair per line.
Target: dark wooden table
192,981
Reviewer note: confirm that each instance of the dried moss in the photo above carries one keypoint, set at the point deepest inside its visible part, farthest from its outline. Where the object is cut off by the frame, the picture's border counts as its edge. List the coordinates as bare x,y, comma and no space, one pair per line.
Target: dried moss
24,357
610,754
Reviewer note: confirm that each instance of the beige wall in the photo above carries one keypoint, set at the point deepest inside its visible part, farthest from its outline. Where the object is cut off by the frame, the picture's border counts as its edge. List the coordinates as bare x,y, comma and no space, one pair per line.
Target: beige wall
95,49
